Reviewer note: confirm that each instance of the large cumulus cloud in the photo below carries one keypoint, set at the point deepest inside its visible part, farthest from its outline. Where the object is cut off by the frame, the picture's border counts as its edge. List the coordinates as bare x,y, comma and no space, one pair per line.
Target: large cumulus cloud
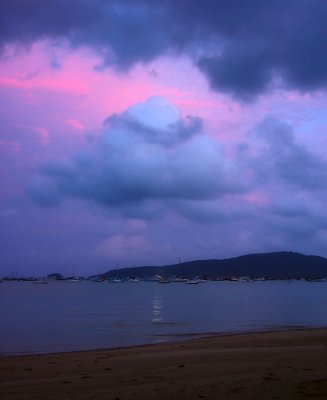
148,158
242,47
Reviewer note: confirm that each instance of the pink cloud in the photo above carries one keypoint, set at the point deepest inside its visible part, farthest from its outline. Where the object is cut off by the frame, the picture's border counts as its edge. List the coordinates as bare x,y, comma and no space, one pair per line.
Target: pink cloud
90,95
259,199
43,134
43,84
74,123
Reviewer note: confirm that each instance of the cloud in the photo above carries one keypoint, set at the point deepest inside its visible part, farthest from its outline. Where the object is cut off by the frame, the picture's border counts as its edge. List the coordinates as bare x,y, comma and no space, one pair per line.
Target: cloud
43,134
156,121
148,157
243,48
244,79
214,211
43,191
257,44
150,162
297,205
119,245
123,33
281,159
74,123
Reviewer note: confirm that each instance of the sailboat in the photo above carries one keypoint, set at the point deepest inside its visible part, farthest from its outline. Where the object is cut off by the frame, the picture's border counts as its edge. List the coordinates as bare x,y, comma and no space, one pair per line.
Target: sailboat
73,279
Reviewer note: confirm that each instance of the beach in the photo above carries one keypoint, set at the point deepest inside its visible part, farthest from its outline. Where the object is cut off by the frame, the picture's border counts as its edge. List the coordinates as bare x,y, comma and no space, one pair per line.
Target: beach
288,364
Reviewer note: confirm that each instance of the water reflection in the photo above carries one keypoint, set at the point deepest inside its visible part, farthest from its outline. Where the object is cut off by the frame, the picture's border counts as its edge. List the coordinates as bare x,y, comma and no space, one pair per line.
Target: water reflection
157,310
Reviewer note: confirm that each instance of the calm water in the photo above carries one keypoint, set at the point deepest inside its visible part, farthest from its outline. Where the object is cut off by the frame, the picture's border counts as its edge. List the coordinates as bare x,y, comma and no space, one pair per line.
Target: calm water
78,316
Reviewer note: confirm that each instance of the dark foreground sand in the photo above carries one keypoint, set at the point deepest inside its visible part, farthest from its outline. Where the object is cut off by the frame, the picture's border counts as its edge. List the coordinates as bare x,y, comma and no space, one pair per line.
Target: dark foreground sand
278,365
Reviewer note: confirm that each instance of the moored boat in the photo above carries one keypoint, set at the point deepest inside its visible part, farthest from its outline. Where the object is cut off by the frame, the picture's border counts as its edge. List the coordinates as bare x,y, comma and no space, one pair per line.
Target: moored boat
163,280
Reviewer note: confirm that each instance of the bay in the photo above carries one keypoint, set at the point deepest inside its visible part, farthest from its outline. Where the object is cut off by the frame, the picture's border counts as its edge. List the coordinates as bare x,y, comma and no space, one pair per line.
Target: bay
64,316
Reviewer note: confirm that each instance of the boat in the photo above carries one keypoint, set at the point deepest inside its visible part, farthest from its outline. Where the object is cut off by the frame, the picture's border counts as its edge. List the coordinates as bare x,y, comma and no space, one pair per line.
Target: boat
163,280
133,280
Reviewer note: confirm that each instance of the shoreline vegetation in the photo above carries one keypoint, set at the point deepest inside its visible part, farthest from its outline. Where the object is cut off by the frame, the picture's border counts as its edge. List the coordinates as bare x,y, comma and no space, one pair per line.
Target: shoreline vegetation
263,365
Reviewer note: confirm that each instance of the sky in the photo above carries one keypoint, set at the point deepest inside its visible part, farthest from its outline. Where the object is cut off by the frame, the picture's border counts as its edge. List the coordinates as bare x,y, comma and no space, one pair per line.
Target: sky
139,132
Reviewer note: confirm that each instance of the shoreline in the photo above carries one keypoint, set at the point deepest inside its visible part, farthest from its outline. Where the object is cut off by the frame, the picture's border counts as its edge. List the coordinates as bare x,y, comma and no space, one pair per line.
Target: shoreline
180,338
288,363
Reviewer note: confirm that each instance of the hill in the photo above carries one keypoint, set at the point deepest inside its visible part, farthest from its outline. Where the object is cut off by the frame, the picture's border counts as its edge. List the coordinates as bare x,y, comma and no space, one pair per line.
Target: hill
268,265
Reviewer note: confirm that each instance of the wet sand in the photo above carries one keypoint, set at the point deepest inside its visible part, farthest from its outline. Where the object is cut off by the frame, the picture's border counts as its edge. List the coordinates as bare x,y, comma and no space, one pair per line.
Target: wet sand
274,365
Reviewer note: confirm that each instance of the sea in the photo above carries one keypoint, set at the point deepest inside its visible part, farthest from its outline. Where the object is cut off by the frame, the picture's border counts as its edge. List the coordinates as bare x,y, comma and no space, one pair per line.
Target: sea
62,316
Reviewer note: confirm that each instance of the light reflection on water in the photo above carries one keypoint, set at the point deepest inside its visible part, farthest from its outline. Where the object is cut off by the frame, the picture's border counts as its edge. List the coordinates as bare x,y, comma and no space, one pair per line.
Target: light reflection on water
156,310
62,317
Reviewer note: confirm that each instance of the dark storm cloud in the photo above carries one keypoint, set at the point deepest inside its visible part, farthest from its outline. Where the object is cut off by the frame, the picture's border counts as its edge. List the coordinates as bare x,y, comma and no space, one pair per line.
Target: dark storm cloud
122,32
243,79
242,47
257,42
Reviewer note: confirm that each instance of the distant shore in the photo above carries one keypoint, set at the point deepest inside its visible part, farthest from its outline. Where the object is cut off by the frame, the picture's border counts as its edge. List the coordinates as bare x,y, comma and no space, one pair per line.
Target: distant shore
284,364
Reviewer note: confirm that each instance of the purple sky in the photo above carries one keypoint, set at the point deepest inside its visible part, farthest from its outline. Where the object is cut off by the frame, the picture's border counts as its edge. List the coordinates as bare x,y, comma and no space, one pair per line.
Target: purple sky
137,132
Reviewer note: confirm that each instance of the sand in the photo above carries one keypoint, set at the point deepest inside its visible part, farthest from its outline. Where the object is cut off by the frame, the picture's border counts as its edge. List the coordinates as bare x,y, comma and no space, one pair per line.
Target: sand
273,365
